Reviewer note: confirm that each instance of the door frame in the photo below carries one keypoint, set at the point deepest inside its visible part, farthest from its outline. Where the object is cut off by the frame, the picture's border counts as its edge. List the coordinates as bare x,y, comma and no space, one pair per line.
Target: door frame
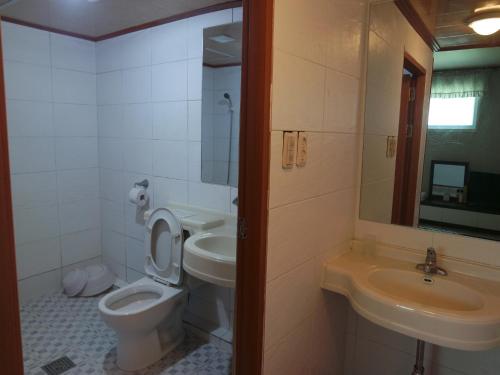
408,152
253,185
252,212
11,355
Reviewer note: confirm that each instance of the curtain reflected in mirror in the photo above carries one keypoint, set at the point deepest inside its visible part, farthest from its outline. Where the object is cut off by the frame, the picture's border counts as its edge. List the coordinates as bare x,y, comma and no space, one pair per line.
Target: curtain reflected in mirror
220,109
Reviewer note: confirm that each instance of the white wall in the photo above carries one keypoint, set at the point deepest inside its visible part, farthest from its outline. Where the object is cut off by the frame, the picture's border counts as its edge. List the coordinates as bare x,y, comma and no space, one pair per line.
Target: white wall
149,91
375,350
52,125
316,81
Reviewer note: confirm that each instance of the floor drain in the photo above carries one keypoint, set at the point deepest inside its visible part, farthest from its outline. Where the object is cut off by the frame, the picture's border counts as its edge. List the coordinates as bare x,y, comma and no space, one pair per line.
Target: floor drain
58,366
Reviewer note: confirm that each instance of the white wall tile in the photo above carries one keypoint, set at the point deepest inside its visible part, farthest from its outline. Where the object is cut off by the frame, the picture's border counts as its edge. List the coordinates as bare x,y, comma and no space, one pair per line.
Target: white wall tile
76,152
109,54
110,120
34,189
109,88
170,81
27,81
31,154
113,247
138,156
137,85
32,119
136,49
112,185
296,293
170,159
135,225
34,224
111,153
74,87
137,121
133,275
169,42
168,191
194,156
113,216
80,246
72,53
298,86
135,254
210,196
36,286
25,44
170,120
194,79
37,257
75,120
78,184
79,216
194,120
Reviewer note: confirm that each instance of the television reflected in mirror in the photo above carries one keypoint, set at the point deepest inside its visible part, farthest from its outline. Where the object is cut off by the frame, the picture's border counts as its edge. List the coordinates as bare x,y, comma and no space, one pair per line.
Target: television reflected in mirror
431,155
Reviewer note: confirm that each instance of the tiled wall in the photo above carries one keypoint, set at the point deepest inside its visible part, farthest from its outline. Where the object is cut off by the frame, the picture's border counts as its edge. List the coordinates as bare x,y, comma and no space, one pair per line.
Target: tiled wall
394,353
149,91
220,136
318,54
52,125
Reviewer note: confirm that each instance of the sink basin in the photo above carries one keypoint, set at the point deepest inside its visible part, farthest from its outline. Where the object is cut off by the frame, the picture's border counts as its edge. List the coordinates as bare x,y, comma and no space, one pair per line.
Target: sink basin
211,257
413,287
460,311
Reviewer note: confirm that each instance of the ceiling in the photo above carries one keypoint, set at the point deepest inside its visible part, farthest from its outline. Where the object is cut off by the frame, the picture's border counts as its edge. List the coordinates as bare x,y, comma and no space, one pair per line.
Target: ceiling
468,58
445,19
222,54
97,18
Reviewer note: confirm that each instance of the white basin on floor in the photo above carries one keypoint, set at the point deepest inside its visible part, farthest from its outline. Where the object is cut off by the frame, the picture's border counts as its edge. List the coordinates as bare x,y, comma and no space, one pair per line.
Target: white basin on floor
461,310
211,257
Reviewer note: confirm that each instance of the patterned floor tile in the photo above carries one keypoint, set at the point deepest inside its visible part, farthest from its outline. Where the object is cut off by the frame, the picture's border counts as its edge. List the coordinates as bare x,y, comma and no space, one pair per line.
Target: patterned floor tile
55,325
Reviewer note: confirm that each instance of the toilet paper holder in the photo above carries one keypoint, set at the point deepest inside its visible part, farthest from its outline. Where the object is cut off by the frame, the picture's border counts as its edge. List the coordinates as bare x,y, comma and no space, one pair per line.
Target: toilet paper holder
144,183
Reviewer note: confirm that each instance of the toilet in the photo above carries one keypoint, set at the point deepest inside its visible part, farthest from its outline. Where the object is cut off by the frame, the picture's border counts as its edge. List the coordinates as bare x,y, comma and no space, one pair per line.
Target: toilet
147,314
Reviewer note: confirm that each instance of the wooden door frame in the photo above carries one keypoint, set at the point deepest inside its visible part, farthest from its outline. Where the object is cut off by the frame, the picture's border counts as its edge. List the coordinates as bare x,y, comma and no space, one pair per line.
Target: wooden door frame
11,356
253,185
252,212
406,175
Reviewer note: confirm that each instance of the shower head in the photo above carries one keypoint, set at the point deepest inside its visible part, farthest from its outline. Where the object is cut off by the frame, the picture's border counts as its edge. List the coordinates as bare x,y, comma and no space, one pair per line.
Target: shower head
227,101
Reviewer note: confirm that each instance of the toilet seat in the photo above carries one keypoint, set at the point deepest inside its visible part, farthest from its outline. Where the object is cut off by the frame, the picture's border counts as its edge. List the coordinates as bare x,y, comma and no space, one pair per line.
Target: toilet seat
137,298
163,247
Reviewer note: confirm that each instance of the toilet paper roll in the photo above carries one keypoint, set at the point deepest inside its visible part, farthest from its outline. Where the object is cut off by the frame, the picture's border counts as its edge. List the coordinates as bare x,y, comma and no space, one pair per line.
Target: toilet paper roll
139,196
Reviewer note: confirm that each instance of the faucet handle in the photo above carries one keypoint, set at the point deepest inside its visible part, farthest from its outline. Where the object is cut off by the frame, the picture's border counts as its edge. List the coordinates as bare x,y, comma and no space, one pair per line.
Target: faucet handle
431,255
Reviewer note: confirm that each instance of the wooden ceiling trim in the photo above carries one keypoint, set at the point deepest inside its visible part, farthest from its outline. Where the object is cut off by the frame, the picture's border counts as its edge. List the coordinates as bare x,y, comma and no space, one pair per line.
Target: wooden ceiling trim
416,21
46,28
178,17
197,12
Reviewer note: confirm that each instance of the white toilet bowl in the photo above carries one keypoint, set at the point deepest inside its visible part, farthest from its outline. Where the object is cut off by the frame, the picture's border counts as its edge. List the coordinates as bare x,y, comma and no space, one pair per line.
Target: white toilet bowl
147,317
147,314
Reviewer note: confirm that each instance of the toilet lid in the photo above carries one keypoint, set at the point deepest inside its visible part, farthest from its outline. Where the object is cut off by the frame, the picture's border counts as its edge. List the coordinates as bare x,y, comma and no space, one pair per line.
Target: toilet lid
163,247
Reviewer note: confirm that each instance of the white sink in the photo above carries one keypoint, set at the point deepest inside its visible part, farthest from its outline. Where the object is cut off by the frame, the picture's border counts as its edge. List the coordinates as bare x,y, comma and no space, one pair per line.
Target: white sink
437,292
461,310
211,257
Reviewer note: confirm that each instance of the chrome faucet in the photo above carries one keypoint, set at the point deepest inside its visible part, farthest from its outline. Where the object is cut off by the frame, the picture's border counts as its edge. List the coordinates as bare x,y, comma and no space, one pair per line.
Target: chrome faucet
430,266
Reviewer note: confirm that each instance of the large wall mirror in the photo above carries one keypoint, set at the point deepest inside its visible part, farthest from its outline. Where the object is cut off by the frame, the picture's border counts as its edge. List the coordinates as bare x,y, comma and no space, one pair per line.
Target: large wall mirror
431,154
220,109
